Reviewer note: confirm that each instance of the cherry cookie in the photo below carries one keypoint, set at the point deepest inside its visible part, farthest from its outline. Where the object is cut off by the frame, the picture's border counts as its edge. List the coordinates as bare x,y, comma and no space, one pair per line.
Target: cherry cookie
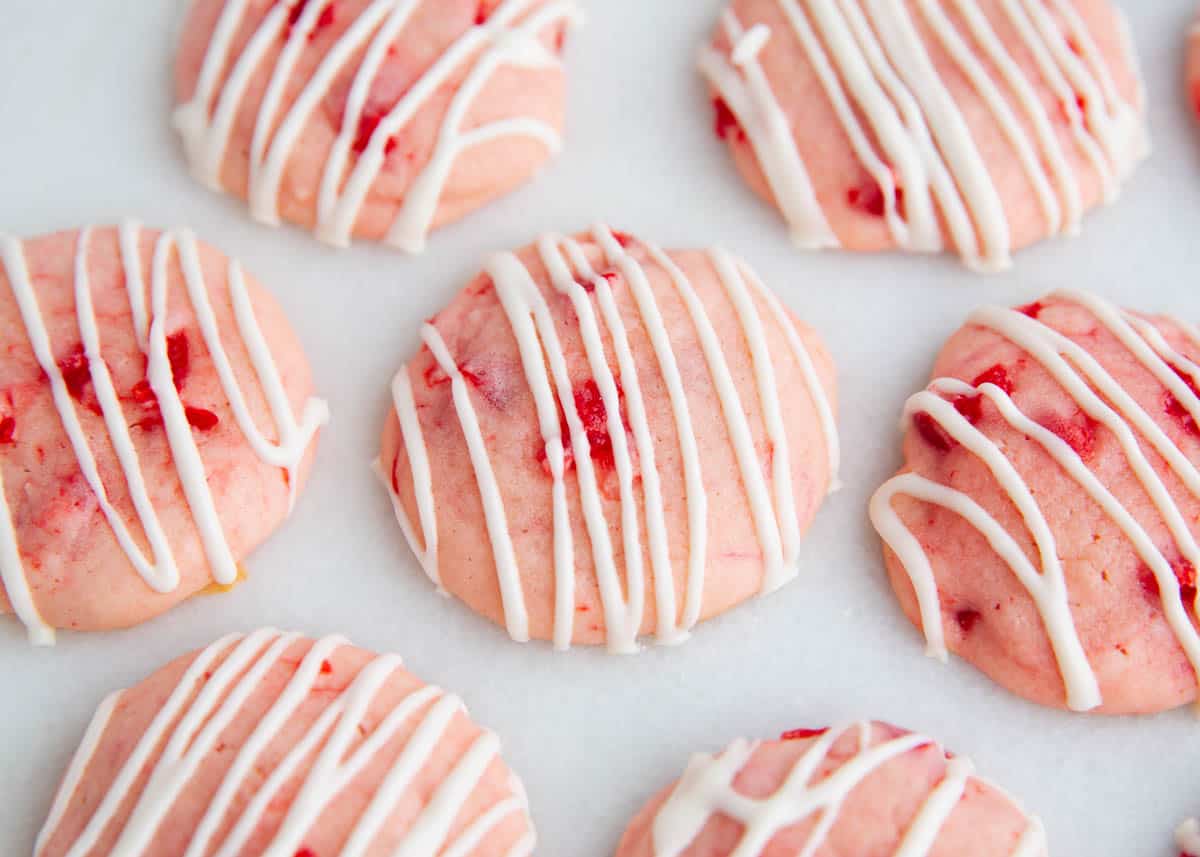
379,119
979,126
270,743
151,396
1044,525
600,440
867,788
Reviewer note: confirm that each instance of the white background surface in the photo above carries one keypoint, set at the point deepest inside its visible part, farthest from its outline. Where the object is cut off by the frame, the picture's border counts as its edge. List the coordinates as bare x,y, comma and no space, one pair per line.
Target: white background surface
84,106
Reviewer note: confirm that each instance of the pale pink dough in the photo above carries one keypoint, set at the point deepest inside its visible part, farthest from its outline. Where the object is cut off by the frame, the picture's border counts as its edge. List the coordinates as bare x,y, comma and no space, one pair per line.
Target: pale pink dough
329,830
851,199
480,173
78,575
480,340
873,819
988,616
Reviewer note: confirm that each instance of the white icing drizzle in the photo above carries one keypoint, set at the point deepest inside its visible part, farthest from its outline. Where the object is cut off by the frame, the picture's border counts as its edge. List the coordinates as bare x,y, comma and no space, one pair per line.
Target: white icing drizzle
209,698
160,573
545,366
909,134
707,789
1187,837
511,36
1103,400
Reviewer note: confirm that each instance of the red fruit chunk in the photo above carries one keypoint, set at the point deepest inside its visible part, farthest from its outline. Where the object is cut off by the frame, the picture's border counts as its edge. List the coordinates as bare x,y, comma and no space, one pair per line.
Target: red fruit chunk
624,238
484,11
179,357
326,667
143,394
932,433
967,619
594,416
367,123
200,419
1079,433
726,123
802,734
8,430
1032,310
971,407
997,375
305,852
1185,573
325,19
869,197
75,371
1175,409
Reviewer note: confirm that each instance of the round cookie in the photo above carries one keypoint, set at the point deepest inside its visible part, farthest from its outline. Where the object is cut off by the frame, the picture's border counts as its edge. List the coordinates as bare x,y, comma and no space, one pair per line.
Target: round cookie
270,743
600,440
867,788
979,127
150,394
378,119
1044,524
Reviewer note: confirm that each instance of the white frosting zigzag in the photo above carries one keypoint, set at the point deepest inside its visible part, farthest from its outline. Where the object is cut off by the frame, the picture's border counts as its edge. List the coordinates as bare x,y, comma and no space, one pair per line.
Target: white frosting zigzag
906,129
545,370
159,572
1102,399
207,700
509,37
707,789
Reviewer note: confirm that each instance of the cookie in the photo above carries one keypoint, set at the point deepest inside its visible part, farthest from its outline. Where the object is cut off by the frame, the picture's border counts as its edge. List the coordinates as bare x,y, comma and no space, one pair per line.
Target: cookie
601,440
270,743
1044,524
866,788
151,393
978,126
378,119
1187,837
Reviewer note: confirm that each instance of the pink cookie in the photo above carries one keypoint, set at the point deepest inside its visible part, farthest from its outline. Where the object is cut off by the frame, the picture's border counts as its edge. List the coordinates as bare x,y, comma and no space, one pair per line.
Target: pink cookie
600,440
380,119
1045,523
155,424
865,789
979,127
269,743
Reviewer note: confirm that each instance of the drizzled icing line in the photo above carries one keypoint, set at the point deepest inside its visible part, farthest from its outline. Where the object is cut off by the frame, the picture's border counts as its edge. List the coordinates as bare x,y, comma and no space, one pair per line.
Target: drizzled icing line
545,367
161,572
706,789
1102,399
909,134
510,36
208,698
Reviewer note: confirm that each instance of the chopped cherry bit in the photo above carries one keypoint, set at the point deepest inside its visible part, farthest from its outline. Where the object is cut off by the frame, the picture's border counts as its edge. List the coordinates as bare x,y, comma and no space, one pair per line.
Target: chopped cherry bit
325,19
726,122
624,238
484,11
326,667
201,419
75,371
1032,310
8,430
997,375
802,734
305,852
932,432
367,125
178,355
967,619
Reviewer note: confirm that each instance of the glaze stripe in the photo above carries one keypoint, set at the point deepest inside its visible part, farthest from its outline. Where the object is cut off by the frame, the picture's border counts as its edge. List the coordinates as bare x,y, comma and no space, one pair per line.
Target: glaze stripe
1099,396
161,574
544,362
510,36
707,789
205,703
910,135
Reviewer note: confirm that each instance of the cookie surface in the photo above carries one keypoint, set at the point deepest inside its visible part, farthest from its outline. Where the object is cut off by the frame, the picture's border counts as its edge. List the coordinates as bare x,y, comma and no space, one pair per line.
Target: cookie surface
380,119
151,393
868,788
1044,525
979,127
270,743
599,440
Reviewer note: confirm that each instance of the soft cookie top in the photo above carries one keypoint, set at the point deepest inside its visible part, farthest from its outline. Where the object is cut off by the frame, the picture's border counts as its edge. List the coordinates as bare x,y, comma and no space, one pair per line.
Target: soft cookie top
866,788
380,119
980,126
155,424
600,439
1044,525
273,744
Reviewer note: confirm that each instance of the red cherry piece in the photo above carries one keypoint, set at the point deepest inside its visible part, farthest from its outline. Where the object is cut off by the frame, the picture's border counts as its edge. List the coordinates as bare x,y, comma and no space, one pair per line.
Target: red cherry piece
802,734
200,419
967,619
1032,310
368,122
75,371
325,19
1175,409
1079,433
8,430
624,239
143,394
996,375
326,667
305,852
726,122
594,416
932,433
178,354
971,407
